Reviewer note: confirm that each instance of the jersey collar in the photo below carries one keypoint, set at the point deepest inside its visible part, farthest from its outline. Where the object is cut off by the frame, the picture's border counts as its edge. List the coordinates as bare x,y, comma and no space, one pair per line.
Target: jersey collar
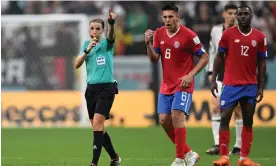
170,36
243,33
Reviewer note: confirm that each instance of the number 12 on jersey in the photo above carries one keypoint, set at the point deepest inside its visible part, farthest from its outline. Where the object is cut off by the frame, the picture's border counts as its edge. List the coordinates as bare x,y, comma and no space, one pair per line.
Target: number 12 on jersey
244,50
168,53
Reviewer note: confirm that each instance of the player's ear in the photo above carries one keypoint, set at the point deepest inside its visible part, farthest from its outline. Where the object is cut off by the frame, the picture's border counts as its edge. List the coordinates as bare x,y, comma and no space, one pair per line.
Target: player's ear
251,17
178,16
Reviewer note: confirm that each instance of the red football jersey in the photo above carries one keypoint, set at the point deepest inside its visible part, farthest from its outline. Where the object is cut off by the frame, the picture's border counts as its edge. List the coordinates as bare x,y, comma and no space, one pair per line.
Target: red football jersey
242,51
177,58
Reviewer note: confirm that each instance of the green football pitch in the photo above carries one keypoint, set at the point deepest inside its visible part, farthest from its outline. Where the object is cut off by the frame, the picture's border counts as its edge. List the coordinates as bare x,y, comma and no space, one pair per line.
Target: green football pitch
136,146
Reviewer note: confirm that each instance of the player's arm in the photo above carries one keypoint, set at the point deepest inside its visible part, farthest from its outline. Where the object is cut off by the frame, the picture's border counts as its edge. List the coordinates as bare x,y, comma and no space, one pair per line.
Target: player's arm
218,62
219,58
262,54
111,29
198,50
83,54
261,72
203,60
153,51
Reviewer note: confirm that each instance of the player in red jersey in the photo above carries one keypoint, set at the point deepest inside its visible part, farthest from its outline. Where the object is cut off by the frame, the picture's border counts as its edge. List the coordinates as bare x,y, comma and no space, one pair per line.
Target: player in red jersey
176,45
244,50
229,15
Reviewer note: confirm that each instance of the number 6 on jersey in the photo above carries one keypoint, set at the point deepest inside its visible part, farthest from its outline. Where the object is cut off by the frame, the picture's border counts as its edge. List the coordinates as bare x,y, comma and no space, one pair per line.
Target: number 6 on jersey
168,53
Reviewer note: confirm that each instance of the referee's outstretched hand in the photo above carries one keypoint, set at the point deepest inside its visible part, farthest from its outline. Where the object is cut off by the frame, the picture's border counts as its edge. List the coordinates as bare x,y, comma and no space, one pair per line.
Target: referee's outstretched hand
112,16
214,88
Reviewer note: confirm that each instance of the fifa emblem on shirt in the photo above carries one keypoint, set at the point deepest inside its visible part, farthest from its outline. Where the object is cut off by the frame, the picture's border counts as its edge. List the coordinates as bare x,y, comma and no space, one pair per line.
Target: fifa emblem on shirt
100,60
254,43
176,44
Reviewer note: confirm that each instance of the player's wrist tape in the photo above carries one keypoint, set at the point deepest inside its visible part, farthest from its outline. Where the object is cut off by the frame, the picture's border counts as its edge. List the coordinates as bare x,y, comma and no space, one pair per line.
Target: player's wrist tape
111,21
86,51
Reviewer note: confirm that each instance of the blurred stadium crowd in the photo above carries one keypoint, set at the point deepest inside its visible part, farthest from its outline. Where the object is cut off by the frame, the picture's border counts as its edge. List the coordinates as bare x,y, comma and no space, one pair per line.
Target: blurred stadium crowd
135,17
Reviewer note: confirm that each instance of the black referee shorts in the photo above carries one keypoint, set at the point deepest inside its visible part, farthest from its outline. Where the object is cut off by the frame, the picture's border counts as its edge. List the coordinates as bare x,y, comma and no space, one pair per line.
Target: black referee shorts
99,98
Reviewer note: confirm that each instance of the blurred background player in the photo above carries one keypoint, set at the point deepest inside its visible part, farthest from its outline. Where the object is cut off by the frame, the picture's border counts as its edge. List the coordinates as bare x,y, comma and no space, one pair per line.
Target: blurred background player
100,91
229,15
245,48
176,44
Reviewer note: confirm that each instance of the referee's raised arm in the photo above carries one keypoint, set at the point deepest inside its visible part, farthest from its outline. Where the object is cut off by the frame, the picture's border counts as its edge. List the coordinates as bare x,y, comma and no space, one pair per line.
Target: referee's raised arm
111,22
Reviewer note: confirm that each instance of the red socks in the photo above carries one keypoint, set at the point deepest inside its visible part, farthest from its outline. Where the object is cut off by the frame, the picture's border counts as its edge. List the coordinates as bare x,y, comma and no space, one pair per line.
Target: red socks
171,136
180,142
247,137
224,137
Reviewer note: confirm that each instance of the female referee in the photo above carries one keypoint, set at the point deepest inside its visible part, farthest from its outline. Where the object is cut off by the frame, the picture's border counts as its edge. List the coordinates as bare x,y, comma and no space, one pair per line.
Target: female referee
101,87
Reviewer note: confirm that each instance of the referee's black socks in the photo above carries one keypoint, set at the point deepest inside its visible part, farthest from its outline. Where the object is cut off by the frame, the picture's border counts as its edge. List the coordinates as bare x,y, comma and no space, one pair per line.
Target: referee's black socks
97,146
107,144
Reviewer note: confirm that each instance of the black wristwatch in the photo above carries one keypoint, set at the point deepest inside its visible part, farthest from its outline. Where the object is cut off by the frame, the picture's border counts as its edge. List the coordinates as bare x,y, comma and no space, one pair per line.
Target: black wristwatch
86,51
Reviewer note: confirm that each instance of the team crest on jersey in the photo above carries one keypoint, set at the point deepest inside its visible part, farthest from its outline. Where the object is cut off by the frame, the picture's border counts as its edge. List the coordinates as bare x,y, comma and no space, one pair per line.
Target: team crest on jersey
176,44
254,43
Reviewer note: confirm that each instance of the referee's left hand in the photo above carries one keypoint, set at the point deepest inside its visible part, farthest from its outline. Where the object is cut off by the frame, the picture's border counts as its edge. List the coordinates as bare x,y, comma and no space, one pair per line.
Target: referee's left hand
112,16
186,81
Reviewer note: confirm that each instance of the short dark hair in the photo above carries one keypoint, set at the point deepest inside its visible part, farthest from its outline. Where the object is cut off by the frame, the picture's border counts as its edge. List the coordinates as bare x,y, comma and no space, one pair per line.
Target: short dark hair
170,6
245,6
230,6
98,20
